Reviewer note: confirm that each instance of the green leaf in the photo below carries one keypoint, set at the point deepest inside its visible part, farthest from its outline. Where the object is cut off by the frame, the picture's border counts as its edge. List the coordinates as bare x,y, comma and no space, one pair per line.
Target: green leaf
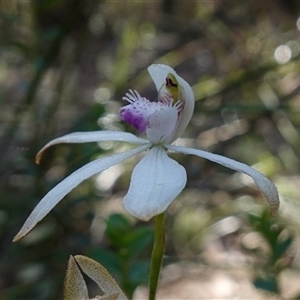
265,226
116,227
111,261
281,247
139,272
138,240
267,284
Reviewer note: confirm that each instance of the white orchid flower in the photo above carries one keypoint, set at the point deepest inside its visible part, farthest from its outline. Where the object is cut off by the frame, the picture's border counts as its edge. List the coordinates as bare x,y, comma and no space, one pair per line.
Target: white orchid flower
157,179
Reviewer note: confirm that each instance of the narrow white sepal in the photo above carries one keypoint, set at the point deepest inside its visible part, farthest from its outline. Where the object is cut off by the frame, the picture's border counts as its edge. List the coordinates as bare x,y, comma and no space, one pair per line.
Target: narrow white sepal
93,136
266,186
155,182
69,183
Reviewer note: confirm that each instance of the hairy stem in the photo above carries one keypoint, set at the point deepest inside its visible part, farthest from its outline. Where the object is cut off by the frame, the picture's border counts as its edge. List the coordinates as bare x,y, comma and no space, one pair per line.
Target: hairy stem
157,254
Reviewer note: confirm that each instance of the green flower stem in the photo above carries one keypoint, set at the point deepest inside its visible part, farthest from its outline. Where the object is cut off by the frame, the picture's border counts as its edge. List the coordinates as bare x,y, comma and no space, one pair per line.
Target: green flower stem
157,254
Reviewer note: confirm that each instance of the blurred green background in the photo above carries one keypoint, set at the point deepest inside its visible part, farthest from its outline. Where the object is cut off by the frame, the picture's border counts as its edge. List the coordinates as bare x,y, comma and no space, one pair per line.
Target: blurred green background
64,67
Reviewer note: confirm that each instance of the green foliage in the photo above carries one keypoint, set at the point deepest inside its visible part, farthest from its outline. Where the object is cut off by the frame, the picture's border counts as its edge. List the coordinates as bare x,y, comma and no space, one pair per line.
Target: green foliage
278,239
128,257
268,284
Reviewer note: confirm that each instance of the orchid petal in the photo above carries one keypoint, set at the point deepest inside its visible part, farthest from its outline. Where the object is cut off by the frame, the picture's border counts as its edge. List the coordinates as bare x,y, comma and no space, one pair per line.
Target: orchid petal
92,136
159,74
69,183
264,184
155,182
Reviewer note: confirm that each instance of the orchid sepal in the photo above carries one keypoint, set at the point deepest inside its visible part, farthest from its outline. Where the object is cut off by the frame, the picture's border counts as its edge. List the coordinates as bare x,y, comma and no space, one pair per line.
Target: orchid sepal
265,185
92,136
69,183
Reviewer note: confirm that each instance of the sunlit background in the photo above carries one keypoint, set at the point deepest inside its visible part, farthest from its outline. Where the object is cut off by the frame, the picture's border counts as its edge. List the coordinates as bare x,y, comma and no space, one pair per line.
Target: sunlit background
65,66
